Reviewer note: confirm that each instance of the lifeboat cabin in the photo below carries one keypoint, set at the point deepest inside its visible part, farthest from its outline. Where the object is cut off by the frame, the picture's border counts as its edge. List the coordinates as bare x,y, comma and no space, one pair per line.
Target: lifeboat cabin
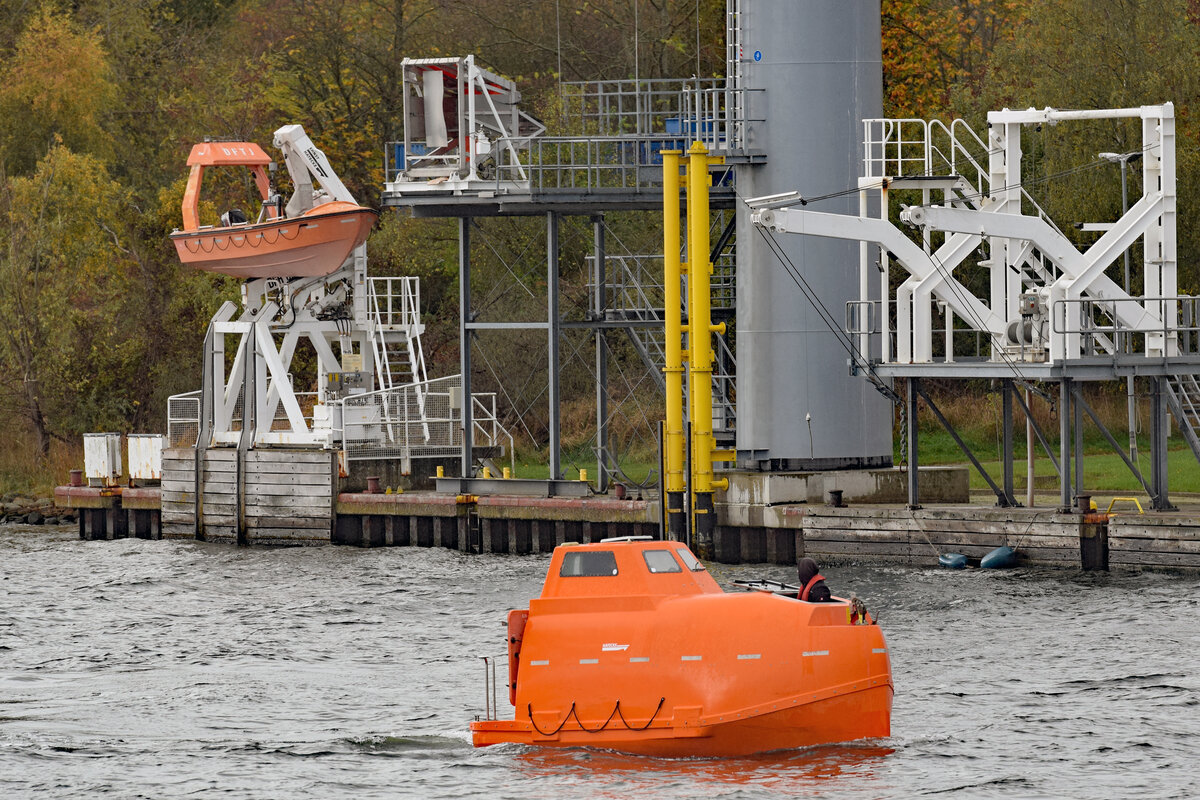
632,646
312,243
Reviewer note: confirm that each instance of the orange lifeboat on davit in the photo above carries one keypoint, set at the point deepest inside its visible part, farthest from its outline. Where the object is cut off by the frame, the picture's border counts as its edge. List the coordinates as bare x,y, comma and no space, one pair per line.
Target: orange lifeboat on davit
632,646
312,236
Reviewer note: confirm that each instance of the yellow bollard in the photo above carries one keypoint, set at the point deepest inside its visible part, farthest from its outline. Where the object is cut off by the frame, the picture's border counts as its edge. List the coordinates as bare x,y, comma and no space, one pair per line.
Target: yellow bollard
507,473
583,474
441,472
487,473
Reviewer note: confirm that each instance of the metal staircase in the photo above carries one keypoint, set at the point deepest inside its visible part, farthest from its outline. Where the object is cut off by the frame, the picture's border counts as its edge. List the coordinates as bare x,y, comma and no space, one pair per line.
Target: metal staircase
394,327
1183,396
394,323
635,295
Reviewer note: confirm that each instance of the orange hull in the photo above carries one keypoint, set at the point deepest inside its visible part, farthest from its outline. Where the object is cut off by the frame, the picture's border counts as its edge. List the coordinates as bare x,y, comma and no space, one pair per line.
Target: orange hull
309,246
863,714
663,662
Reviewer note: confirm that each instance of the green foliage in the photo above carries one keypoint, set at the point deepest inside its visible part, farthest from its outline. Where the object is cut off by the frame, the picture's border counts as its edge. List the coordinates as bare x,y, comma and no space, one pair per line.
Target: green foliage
64,282
100,101
56,87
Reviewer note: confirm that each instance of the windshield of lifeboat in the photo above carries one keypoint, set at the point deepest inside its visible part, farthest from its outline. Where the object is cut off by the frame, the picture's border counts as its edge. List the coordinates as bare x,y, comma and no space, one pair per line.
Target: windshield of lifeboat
626,568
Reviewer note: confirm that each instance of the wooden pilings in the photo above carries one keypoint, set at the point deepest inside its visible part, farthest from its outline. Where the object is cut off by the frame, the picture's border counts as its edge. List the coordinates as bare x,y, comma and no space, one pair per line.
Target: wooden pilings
516,525
113,514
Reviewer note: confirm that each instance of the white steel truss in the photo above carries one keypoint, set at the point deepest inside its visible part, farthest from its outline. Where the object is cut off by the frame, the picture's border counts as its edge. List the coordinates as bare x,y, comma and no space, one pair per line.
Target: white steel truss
1046,301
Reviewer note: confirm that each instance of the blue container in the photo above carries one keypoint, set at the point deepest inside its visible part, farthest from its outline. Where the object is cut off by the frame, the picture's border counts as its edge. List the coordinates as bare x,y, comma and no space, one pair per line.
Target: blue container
953,561
1000,558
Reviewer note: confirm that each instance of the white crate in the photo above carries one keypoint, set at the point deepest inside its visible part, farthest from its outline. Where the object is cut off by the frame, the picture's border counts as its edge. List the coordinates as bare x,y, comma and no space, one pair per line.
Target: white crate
102,459
145,456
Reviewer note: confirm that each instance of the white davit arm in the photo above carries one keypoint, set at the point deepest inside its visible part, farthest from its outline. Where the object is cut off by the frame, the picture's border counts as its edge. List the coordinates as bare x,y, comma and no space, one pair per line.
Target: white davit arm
305,162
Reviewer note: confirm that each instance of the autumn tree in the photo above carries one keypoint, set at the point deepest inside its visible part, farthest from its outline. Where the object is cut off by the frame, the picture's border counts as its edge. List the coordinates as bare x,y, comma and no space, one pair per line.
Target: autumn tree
57,86
1105,54
936,52
63,286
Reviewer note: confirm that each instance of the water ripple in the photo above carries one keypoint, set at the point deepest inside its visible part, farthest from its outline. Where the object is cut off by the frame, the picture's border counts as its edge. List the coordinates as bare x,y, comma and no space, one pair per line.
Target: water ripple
179,669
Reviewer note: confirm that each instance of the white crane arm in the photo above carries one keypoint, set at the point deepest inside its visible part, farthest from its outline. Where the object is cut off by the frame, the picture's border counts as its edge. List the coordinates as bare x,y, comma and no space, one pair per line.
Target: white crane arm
305,161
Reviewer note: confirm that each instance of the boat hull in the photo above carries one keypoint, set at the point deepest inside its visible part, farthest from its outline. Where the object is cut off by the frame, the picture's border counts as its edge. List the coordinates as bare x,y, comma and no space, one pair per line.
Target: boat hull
855,714
309,246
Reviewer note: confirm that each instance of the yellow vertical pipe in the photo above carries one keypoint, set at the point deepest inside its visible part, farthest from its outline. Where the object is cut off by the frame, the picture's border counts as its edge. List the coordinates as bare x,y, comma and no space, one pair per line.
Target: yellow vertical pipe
700,355
673,323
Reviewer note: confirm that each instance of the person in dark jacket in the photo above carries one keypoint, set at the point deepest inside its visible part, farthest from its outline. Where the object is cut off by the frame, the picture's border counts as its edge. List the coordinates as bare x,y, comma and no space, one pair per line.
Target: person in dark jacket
812,582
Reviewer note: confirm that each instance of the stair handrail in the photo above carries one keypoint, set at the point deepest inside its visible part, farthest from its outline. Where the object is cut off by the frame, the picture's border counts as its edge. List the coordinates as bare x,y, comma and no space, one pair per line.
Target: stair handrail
484,415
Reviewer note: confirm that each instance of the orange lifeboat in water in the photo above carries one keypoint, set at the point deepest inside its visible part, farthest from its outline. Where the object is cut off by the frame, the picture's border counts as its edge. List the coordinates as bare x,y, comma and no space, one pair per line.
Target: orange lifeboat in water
314,242
632,646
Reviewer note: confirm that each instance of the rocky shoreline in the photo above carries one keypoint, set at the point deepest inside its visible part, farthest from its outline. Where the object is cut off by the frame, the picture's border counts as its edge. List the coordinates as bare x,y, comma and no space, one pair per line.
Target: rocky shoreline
18,509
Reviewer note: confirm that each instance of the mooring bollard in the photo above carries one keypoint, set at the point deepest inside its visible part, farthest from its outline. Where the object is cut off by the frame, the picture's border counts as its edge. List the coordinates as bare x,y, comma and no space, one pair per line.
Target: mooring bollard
373,485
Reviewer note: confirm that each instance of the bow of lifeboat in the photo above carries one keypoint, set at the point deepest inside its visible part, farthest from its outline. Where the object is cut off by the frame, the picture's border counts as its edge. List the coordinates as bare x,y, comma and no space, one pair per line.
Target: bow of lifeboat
632,646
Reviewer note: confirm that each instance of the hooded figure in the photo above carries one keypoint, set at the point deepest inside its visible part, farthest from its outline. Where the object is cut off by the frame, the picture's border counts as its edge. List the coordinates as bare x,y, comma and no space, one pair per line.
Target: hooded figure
812,582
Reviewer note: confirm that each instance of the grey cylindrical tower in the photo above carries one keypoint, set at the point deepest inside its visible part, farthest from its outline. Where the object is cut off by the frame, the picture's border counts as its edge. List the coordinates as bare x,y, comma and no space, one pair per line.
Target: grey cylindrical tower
813,72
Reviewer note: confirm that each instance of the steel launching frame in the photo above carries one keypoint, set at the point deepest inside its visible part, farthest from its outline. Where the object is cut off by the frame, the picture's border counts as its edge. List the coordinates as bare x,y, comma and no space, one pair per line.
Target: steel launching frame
617,166
1050,313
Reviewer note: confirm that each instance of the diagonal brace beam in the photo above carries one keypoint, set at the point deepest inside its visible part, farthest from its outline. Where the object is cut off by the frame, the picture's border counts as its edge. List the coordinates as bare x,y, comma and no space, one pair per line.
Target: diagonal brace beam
1111,441
1002,499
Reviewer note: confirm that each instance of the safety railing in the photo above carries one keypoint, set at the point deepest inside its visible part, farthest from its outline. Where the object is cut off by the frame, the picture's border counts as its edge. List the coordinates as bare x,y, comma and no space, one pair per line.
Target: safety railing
580,163
421,419
602,163
909,147
895,147
183,419
634,282
395,302
1166,325
708,109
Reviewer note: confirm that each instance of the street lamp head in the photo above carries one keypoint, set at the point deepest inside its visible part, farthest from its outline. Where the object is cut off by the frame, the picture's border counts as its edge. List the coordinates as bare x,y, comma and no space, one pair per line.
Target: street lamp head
1121,158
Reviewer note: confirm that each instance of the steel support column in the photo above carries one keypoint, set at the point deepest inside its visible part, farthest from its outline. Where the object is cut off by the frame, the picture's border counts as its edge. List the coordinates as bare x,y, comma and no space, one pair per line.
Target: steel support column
677,472
249,429
599,307
1006,406
914,489
552,320
1077,423
1159,501
1064,444
464,343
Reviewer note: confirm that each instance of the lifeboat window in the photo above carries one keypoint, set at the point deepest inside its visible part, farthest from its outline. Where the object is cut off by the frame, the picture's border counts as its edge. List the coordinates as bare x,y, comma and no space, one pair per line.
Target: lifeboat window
690,561
661,561
588,564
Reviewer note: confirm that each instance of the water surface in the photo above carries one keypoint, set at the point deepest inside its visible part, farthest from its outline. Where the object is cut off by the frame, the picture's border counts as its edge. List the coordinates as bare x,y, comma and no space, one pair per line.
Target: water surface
164,669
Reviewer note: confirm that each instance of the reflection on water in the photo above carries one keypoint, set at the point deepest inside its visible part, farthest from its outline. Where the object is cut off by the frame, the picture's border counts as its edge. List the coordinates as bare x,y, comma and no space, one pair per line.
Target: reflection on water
166,669
784,774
